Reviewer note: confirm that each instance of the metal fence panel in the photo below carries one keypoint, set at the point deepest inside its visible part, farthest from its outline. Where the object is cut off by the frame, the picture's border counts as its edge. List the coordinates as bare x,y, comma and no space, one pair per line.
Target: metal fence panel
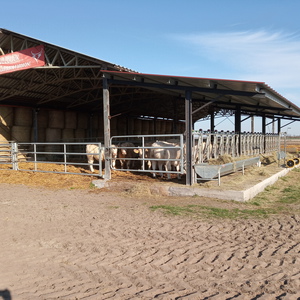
33,156
142,143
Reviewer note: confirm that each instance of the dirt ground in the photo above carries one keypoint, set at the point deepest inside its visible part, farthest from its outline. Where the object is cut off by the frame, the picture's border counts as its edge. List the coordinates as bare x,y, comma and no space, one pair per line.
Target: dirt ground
63,239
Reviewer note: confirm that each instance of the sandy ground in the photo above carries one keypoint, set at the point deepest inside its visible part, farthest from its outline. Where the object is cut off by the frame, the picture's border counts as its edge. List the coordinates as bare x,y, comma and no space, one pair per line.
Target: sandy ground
93,244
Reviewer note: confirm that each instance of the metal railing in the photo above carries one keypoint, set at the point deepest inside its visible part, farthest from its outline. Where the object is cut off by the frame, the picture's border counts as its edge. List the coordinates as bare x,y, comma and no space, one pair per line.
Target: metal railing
208,145
142,144
36,157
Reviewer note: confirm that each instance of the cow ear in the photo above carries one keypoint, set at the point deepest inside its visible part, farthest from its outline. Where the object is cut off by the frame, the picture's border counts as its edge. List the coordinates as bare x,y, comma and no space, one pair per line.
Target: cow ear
136,151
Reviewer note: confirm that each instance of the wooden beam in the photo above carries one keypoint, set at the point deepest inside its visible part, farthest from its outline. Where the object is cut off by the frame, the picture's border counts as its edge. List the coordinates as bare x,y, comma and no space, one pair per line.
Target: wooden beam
188,136
106,121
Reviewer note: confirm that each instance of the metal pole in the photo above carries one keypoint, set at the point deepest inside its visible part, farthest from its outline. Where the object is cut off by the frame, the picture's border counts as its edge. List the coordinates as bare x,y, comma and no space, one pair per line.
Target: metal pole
237,127
278,125
188,132
263,129
106,121
212,121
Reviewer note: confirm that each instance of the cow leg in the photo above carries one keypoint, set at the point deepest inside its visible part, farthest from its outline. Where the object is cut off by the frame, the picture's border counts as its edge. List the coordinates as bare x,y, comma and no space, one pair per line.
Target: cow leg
168,168
160,167
153,165
113,163
122,163
178,169
90,162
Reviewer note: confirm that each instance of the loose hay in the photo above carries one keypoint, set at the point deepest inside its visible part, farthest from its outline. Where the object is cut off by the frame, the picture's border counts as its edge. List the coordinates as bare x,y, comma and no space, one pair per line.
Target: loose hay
133,183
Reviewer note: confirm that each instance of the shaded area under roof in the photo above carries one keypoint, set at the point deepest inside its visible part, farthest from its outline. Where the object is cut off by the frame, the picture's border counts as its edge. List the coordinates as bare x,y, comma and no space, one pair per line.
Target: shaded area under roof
254,98
74,81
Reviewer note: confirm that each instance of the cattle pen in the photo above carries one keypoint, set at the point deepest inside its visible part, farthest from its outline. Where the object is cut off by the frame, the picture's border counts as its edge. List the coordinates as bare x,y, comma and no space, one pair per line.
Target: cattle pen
72,157
70,97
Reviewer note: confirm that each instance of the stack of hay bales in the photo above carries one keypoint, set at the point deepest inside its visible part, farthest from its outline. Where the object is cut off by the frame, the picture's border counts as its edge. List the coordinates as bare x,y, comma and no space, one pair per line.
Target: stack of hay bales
82,125
6,122
22,124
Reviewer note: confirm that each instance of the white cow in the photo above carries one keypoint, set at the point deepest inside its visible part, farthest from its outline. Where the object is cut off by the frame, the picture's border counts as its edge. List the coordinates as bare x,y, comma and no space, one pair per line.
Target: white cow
163,154
144,153
93,153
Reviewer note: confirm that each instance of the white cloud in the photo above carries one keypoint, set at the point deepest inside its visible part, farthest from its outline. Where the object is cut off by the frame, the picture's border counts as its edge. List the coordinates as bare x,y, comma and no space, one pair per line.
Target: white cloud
261,56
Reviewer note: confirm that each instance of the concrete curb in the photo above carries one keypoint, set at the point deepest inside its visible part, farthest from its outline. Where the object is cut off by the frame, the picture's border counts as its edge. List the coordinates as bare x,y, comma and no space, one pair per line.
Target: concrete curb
241,196
186,191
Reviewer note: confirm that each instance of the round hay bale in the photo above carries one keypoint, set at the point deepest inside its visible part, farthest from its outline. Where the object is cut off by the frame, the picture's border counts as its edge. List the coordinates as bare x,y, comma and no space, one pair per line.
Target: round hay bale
99,136
56,119
181,127
101,124
80,133
121,126
151,127
41,138
130,125
82,120
70,120
42,119
21,134
23,116
163,127
4,133
137,126
157,127
94,121
7,115
145,127
114,123
114,132
53,135
68,134
169,127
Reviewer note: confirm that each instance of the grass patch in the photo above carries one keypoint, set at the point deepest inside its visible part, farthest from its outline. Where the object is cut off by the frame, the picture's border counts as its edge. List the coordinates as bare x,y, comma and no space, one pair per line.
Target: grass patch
212,212
173,210
290,195
283,197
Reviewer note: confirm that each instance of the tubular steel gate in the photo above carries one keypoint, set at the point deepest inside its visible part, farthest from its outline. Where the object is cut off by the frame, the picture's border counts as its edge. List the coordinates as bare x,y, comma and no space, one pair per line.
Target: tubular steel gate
9,154
36,156
141,144
206,145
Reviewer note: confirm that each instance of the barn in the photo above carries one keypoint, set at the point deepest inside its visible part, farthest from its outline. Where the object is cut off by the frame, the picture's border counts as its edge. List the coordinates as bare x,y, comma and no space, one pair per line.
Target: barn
58,95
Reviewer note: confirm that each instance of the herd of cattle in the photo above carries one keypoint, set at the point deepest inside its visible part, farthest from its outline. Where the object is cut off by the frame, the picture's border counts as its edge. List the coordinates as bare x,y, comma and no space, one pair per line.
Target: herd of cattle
160,155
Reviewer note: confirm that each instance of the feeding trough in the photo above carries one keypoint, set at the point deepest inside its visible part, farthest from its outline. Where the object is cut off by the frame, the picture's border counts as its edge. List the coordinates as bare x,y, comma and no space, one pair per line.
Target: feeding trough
214,172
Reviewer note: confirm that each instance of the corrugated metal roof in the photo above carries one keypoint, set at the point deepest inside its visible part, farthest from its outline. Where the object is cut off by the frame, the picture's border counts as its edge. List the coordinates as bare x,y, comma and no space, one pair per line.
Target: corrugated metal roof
250,96
71,80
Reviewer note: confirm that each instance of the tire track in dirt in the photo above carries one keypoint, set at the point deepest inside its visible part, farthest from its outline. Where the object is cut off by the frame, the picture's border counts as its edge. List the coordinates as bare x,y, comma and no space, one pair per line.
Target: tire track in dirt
79,245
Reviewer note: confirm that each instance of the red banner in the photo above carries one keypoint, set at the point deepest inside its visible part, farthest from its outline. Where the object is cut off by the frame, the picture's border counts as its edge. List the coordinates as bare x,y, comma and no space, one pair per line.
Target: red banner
22,60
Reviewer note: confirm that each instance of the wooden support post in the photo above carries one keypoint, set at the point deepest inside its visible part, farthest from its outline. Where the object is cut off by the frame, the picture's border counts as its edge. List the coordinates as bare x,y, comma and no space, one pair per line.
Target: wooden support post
106,121
188,136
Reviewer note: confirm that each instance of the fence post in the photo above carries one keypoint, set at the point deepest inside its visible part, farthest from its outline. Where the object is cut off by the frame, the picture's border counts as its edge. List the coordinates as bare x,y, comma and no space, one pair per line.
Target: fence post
14,155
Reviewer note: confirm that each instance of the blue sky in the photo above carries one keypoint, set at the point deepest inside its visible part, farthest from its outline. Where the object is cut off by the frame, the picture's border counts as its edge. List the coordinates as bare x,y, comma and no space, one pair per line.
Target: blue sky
255,40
